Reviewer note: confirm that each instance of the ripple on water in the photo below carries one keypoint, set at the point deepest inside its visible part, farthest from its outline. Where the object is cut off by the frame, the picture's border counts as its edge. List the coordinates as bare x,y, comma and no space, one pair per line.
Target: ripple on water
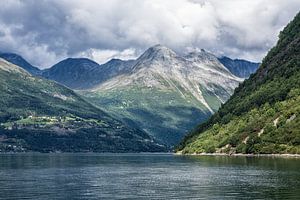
146,176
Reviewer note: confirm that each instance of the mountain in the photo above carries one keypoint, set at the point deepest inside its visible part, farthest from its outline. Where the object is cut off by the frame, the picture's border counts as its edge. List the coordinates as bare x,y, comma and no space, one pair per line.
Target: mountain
240,68
112,68
41,115
161,92
157,92
83,73
263,114
20,61
74,73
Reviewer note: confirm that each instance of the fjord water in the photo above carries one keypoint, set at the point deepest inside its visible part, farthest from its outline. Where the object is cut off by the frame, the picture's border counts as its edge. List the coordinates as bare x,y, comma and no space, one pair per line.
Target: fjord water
147,176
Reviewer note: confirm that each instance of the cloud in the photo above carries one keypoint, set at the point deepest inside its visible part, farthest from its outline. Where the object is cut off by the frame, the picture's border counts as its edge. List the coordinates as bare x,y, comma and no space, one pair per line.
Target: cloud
101,56
45,31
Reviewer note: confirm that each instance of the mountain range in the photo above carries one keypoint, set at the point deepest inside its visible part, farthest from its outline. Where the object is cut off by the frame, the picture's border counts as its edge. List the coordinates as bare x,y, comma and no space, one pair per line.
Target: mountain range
263,114
166,90
158,93
40,115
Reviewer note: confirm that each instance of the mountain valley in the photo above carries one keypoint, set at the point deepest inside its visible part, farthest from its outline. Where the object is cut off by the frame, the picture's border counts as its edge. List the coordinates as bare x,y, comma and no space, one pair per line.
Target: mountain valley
163,93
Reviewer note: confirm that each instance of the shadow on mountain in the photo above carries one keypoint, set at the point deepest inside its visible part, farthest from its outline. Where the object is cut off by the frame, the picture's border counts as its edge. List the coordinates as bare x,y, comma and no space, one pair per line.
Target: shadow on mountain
169,126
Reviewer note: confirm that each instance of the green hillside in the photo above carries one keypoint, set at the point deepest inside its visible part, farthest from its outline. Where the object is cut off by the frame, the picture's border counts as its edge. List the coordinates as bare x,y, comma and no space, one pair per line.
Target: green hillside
163,113
41,115
263,115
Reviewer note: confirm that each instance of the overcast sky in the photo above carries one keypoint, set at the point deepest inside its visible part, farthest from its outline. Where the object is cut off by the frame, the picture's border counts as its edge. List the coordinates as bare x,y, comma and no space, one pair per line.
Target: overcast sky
44,32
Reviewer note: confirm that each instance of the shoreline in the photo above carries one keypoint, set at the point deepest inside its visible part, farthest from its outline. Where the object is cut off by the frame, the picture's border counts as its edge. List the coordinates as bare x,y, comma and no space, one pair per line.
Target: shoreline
162,153
239,155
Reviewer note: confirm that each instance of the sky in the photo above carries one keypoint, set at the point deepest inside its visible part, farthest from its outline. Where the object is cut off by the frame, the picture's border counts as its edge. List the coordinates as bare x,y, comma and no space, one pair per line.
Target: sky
47,31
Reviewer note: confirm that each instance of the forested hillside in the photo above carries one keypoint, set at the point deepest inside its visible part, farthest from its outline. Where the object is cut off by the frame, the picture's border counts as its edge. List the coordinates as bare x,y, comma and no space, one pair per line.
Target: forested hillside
263,115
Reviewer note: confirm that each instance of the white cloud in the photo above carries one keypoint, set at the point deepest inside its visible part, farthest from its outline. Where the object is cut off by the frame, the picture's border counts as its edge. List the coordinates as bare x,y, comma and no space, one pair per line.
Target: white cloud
47,31
102,56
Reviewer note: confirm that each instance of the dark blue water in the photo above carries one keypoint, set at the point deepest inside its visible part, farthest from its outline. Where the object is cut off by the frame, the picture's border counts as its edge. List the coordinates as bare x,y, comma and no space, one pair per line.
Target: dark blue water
147,176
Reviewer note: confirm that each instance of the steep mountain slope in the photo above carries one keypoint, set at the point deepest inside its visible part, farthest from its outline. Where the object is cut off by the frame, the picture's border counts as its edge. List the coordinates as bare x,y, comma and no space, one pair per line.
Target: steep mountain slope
83,73
21,62
110,69
72,72
263,115
40,115
162,91
240,68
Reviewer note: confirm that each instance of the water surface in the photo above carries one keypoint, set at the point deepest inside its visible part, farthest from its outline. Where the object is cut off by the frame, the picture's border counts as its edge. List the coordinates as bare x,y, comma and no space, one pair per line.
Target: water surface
147,176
